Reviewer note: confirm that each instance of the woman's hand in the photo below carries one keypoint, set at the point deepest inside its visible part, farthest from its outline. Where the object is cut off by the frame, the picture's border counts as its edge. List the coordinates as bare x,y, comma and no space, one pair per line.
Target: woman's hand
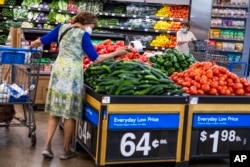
35,44
118,52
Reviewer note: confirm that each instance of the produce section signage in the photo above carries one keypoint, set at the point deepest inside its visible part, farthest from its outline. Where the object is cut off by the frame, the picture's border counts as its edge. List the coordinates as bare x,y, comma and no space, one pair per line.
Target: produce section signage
218,134
91,114
87,129
221,120
142,136
143,121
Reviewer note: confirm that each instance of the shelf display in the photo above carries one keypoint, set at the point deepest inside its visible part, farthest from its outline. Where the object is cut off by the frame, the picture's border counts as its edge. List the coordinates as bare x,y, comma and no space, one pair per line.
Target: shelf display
227,28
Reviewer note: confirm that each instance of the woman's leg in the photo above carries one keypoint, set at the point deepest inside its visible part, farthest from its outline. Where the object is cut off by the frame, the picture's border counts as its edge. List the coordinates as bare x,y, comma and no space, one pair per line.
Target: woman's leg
69,130
52,125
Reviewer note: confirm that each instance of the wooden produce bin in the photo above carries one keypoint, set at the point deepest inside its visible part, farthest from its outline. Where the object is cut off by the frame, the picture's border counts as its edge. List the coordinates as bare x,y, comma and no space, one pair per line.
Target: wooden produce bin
132,129
217,125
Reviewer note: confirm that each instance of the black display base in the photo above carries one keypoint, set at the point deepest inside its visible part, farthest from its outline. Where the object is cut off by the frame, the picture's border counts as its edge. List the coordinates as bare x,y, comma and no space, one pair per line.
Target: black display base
182,164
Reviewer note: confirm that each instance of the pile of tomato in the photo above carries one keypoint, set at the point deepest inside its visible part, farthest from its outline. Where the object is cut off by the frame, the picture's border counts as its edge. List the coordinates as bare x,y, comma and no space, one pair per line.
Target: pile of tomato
206,78
108,46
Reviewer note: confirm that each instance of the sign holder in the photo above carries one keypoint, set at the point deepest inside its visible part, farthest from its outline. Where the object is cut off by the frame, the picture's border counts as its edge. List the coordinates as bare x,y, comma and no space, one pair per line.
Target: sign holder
216,126
132,129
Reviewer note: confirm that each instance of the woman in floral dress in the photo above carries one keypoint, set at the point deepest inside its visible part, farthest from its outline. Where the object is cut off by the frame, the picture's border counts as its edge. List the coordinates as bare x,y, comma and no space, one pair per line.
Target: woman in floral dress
65,90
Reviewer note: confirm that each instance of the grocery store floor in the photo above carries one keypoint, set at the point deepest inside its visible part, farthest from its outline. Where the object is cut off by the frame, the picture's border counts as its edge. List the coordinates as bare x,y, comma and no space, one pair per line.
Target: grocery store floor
16,150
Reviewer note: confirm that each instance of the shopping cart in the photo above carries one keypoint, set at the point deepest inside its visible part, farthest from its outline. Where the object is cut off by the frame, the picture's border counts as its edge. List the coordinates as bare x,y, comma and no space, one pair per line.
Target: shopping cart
19,72
203,50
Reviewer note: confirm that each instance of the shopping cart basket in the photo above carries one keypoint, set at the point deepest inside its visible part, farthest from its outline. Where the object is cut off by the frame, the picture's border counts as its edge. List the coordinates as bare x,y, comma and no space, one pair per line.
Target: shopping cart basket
19,72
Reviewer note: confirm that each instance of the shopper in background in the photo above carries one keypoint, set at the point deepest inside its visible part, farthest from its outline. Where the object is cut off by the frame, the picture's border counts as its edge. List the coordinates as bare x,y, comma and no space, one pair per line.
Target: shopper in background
65,90
183,37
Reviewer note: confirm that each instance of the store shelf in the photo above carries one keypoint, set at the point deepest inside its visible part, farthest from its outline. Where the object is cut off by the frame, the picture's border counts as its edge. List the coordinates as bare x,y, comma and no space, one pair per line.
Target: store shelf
230,51
227,39
231,6
228,16
228,27
37,9
138,16
138,30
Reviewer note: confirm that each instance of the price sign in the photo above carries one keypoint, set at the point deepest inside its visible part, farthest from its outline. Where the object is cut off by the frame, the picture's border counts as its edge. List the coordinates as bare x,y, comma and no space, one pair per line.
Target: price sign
87,135
220,133
141,145
222,141
142,136
87,129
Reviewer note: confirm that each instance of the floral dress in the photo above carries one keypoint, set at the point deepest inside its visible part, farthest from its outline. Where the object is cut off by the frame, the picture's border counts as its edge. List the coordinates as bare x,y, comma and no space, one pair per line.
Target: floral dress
65,90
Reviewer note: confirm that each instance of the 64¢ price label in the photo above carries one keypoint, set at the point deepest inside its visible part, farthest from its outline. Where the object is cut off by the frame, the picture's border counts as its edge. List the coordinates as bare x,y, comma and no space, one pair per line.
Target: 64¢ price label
87,135
141,145
221,141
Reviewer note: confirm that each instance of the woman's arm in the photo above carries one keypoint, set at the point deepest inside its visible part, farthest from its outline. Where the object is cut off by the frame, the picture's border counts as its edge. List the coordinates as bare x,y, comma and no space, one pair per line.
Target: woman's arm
93,55
52,36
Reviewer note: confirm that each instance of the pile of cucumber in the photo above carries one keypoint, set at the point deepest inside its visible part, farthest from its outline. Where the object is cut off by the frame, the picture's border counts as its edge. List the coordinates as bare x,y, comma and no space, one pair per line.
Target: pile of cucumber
129,77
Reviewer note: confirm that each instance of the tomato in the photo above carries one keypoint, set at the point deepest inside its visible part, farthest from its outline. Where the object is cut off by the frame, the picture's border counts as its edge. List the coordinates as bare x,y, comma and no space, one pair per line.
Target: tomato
197,85
107,42
238,85
222,91
185,89
197,78
222,70
192,74
186,84
203,81
187,79
215,78
213,91
243,81
120,43
204,77
240,91
216,71
193,90
174,78
227,92
214,84
200,92
221,82
233,76
209,73
205,87
247,89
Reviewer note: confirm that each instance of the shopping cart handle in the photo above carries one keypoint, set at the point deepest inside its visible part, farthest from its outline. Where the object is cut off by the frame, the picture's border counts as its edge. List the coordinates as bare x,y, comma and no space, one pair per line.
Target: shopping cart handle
18,49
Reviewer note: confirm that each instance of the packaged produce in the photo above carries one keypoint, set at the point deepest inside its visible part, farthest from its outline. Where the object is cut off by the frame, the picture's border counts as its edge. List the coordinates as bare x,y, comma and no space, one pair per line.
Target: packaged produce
239,46
207,78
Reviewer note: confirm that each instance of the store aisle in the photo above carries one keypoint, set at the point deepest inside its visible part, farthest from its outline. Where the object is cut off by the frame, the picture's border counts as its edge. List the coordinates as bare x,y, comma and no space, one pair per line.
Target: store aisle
15,150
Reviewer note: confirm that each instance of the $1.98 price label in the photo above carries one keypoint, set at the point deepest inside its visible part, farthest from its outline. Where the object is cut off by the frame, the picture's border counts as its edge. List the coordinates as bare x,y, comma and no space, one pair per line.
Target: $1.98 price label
221,141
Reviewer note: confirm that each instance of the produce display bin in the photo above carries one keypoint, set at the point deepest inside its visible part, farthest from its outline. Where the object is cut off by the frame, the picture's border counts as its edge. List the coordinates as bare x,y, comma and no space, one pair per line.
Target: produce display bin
217,125
132,129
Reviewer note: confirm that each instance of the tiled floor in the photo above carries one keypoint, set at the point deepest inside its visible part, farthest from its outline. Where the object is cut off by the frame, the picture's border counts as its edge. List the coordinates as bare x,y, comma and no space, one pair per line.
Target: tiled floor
16,150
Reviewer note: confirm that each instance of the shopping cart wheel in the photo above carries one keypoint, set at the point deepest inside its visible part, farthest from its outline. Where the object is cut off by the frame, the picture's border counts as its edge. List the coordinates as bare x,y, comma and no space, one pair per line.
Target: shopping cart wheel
33,139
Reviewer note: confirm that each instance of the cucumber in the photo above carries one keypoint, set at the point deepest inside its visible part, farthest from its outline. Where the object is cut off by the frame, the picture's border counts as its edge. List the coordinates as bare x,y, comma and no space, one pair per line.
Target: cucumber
152,82
128,92
113,89
150,77
106,68
165,81
110,82
158,73
157,90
